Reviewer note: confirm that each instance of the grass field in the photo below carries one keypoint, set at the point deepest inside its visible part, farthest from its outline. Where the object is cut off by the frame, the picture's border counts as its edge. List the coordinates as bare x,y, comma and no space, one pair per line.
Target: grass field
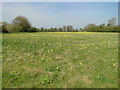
60,60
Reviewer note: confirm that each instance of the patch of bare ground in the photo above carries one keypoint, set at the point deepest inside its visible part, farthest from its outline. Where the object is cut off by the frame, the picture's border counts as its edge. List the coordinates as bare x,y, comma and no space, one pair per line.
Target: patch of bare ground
58,57
86,80
78,78
28,69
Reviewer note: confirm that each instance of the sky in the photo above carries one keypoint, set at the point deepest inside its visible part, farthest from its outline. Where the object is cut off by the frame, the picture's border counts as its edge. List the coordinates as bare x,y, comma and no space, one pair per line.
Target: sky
60,0
58,14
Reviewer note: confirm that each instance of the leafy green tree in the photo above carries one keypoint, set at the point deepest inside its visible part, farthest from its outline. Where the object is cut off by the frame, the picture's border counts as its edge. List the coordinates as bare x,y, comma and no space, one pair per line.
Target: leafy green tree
64,29
41,29
118,28
80,29
59,29
77,30
108,25
51,29
102,25
4,27
0,27
90,28
55,29
13,28
33,29
69,28
21,22
45,30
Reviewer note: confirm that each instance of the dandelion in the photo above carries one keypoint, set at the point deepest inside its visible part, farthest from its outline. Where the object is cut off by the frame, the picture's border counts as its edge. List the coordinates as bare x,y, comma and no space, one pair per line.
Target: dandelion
80,63
117,50
51,50
113,65
43,59
57,68
11,72
48,51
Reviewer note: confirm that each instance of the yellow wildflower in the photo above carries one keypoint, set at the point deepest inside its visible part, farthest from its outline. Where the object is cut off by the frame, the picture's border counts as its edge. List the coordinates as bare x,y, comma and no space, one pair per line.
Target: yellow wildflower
80,63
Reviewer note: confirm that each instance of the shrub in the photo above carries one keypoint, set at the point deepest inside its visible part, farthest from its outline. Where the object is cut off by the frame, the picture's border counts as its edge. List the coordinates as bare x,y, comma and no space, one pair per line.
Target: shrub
4,27
13,28
32,29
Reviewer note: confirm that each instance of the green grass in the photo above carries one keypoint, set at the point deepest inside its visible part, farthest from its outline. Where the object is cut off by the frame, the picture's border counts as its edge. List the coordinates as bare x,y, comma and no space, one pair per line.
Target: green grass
60,60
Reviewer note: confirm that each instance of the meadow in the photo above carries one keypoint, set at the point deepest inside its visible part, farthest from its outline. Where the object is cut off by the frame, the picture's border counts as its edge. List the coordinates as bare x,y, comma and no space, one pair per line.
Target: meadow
60,60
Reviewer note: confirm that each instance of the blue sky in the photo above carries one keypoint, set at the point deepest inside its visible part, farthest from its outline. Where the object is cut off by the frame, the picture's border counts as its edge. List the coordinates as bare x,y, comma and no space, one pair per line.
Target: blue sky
57,14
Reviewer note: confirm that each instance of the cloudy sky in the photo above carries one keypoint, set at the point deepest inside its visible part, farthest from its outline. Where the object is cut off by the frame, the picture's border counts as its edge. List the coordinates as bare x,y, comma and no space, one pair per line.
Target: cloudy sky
57,14
59,0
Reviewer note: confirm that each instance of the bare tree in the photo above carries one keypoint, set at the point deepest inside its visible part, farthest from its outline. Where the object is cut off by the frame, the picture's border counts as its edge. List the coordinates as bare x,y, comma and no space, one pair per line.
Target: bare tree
112,22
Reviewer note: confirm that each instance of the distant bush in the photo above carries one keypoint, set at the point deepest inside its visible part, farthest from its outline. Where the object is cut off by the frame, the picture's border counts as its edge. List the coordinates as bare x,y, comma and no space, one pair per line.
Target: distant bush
90,28
100,28
118,28
21,24
13,28
110,27
41,29
4,27
60,30
33,29
0,28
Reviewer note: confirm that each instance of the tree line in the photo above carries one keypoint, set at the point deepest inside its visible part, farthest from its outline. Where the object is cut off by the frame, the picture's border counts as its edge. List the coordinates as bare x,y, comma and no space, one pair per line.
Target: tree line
22,24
